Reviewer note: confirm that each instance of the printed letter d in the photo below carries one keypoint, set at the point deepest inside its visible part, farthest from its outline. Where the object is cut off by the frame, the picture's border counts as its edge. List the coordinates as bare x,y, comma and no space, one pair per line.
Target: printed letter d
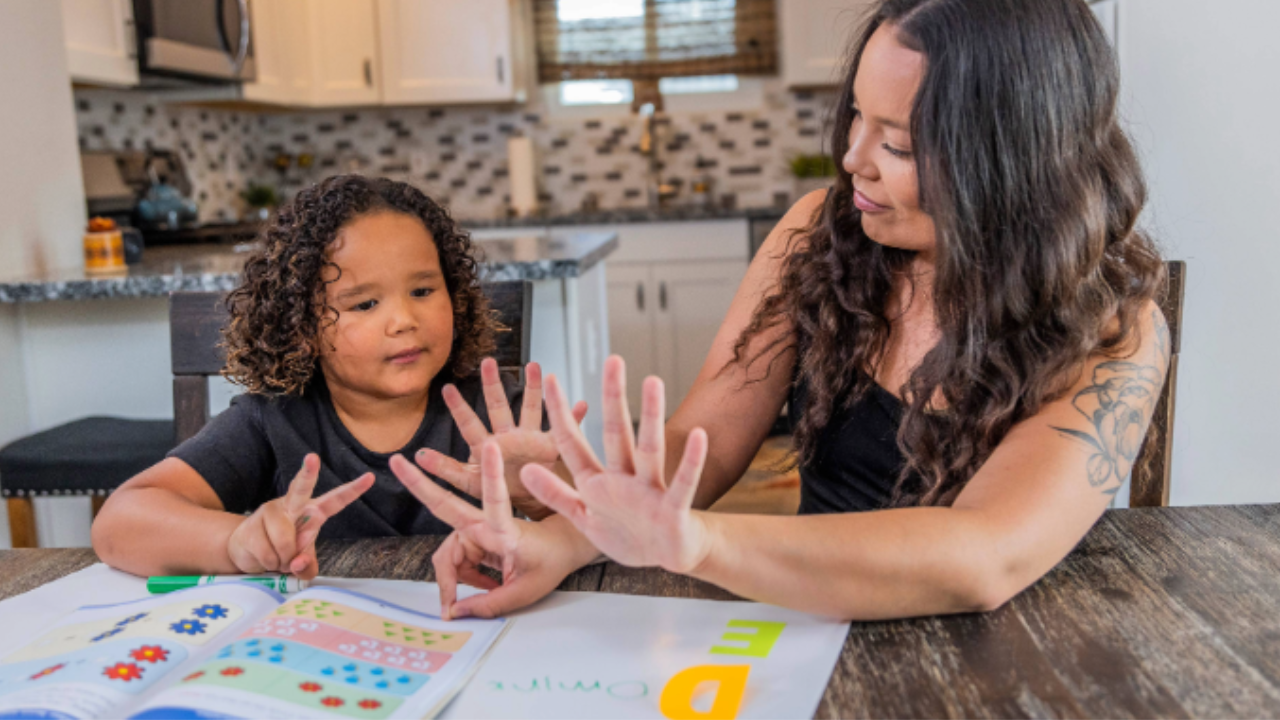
676,702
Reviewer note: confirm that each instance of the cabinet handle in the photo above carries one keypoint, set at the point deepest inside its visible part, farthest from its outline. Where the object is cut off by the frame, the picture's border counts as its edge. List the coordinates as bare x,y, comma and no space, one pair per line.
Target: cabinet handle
662,295
368,72
501,71
640,296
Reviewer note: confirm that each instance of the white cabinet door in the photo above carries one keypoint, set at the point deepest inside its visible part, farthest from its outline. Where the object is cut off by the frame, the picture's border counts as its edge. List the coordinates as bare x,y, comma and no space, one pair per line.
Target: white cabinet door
101,46
631,302
815,36
443,51
281,52
344,52
692,300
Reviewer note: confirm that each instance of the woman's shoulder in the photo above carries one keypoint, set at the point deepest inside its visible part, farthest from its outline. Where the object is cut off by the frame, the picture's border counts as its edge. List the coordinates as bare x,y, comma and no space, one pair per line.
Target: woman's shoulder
790,233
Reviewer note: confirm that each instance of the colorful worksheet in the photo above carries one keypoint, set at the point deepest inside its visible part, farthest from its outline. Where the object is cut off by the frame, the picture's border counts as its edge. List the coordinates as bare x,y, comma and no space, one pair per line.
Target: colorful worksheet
241,651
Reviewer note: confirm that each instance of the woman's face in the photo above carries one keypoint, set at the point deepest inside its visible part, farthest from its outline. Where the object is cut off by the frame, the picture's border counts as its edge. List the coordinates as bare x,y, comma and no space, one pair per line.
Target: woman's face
395,318
880,155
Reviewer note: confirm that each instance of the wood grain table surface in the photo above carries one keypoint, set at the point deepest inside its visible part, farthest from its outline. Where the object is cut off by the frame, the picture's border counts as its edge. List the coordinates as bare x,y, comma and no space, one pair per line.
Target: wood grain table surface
1163,612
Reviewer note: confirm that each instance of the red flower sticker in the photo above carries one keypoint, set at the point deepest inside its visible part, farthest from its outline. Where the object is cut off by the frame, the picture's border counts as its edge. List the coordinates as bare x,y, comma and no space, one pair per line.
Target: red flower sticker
332,701
193,676
370,704
123,671
150,653
48,671
310,687
232,671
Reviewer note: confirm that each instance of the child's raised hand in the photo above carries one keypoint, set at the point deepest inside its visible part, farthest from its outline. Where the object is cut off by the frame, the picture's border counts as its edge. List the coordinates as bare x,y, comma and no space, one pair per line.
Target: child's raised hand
520,444
625,506
533,557
280,535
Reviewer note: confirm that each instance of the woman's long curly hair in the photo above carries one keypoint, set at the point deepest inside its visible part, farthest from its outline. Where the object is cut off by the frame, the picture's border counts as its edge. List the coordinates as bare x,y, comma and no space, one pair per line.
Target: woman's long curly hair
1035,193
278,312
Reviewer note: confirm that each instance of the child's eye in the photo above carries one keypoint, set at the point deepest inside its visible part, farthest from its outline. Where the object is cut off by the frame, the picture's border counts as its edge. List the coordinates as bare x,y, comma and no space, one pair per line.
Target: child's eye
365,306
421,292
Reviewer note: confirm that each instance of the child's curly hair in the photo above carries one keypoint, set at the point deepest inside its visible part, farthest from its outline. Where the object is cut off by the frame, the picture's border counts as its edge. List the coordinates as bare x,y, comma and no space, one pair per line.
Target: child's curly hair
279,310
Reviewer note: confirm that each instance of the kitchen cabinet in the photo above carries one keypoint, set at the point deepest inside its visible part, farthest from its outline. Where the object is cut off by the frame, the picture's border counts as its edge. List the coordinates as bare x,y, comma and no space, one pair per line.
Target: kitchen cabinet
815,34
445,51
282,55
344,53
100,42
632,325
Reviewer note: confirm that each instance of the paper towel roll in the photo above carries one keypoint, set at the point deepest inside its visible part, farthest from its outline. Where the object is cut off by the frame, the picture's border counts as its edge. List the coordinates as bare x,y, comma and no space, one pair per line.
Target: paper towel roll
521,168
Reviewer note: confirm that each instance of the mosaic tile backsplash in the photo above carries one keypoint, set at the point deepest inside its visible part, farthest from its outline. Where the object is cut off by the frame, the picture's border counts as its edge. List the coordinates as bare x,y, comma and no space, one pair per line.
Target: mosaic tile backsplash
458,155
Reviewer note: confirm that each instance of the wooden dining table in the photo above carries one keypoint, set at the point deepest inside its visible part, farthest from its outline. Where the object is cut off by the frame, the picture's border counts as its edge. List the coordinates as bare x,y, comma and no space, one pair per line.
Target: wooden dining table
1159,612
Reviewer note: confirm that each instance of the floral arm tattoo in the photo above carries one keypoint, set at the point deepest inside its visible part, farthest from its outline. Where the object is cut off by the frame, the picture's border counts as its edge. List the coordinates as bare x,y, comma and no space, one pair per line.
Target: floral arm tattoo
1119,405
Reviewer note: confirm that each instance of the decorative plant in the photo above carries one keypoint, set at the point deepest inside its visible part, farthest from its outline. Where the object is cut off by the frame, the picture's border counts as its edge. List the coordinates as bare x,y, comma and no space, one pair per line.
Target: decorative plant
260,196
813,166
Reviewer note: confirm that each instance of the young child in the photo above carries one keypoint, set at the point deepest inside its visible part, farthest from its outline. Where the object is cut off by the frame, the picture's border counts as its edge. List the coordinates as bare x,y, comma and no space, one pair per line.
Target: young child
349,330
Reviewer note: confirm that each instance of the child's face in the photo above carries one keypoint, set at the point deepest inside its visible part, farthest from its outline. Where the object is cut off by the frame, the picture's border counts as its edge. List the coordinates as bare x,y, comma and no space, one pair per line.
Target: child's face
395,317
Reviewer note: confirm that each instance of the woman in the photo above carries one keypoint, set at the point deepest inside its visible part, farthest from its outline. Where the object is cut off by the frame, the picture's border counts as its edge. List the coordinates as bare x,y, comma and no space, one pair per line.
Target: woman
965,327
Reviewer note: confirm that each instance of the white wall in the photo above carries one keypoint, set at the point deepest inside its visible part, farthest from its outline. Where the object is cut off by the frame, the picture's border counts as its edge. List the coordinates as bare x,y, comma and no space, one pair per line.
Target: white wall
41,196
1203,100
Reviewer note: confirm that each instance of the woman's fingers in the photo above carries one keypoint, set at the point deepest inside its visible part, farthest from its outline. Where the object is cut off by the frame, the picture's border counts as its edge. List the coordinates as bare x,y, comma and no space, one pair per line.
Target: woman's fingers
496,502
619,440
579,411
555,493
685,481
651,455
445,561
442,503
469,423
531,406
573,447
471,575
457,474
303,484
495,397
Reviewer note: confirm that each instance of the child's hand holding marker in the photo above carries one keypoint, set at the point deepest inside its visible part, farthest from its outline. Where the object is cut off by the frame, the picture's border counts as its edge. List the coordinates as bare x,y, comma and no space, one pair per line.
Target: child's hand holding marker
280,535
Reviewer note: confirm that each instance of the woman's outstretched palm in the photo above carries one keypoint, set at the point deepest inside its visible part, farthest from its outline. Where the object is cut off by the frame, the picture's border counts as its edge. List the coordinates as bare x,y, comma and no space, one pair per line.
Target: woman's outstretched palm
625,506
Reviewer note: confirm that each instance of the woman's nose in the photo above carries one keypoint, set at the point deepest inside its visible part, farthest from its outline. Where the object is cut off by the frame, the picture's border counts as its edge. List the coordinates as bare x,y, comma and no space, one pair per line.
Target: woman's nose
857,159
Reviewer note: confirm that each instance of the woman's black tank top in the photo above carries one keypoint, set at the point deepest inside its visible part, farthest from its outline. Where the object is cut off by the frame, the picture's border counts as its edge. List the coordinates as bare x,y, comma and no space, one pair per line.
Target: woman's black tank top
856,460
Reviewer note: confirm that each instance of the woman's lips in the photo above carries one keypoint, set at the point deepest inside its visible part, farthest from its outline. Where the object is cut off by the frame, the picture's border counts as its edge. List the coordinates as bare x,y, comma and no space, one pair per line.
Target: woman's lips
865,204
406,357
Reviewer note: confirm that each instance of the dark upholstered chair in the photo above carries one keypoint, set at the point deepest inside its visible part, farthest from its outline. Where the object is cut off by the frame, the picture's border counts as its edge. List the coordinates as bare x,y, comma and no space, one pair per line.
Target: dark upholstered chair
1151,472
93,456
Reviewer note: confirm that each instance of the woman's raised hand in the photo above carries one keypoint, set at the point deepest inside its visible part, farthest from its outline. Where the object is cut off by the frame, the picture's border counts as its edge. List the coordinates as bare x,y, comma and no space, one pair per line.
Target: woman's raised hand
625,506
520,444
533,557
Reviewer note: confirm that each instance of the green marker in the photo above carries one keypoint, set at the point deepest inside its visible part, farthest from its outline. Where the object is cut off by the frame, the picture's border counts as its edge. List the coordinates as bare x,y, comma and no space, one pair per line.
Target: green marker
283,584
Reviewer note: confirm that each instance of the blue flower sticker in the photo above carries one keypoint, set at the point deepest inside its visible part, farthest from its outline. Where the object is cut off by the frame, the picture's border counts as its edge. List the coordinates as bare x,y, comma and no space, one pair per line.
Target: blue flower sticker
131,619
113,631
188,627
212,612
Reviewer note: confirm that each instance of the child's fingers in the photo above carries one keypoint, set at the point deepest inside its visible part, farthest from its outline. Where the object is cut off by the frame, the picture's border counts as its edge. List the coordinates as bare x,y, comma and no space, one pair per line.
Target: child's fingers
580,411
303,484
497,503
469,423
651,454
495,397
337,499
685,481
555,493
573,447
619,438
442,503
531,406
305,566
282,534
459,475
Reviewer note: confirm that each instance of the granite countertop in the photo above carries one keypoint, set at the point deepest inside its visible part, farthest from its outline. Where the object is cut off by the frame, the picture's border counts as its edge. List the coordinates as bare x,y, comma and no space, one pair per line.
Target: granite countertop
213,268
678,213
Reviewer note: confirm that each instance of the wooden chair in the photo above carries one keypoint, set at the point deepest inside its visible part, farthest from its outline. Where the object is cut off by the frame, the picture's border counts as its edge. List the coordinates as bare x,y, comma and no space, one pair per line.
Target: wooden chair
196,320
1150,478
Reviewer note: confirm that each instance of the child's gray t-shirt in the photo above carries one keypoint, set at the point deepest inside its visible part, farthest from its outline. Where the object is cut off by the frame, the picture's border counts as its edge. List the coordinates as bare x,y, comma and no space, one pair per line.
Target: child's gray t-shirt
250,453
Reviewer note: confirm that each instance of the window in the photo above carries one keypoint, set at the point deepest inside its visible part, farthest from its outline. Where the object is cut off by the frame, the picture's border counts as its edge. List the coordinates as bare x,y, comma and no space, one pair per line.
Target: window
620,92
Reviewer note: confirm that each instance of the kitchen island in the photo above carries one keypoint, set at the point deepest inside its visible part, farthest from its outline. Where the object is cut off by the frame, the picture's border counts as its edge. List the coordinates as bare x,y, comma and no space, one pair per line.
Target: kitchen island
99,345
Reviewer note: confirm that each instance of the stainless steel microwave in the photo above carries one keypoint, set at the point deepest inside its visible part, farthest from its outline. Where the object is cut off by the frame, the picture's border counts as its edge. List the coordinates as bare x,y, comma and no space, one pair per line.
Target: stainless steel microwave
209,40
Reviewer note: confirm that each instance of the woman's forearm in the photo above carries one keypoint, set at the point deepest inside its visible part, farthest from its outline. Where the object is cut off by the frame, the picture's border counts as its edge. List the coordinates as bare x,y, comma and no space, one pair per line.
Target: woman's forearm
152,531
888,564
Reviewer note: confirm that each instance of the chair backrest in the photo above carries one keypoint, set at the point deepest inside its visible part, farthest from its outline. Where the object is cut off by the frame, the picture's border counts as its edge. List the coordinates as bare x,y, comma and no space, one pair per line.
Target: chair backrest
196,320
1151,472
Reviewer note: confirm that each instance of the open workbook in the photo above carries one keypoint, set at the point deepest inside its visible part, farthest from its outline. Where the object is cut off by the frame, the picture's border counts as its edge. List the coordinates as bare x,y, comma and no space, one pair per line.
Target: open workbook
237,650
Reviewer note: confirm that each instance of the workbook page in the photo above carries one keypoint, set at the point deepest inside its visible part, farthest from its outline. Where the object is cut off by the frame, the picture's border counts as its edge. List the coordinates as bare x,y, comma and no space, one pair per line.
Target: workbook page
333,653
101,661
